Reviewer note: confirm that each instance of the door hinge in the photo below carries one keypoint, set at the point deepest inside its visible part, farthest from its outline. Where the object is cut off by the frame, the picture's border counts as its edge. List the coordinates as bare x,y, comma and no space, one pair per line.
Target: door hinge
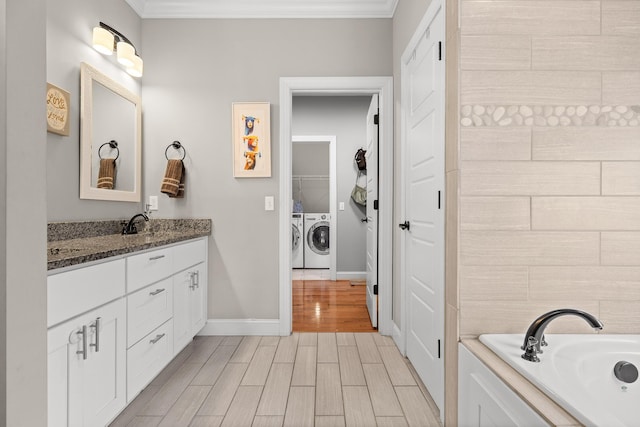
375,205
439,51
438,349
375,289
438,199
376,119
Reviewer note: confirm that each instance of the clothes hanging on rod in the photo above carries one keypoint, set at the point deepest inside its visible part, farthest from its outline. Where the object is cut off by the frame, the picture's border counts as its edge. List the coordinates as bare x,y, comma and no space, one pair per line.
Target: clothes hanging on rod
311,177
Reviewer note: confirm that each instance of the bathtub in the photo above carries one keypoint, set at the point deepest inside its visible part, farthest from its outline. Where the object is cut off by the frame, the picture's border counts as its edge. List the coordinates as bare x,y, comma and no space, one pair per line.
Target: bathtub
576,371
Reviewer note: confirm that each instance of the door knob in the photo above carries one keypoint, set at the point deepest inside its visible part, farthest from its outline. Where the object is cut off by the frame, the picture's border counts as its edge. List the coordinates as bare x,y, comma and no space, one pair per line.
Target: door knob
405,225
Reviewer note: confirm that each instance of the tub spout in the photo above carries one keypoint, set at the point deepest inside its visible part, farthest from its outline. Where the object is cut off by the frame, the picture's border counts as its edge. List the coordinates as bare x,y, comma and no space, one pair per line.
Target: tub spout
535,334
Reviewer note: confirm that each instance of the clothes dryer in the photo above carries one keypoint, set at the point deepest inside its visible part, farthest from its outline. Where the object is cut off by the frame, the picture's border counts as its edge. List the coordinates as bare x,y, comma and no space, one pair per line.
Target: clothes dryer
297,240
316,240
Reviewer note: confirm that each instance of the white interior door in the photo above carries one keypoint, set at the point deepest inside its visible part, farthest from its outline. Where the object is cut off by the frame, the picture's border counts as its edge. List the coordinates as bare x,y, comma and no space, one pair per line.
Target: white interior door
372,214
423,175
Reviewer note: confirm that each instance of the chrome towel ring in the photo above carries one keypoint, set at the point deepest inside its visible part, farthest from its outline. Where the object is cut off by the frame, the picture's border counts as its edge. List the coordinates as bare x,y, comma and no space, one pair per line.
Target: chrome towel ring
177,146
114,145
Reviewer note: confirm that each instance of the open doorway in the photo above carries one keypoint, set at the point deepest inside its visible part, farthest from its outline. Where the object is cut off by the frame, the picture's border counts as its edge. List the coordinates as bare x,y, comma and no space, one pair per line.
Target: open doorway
352,86
330,273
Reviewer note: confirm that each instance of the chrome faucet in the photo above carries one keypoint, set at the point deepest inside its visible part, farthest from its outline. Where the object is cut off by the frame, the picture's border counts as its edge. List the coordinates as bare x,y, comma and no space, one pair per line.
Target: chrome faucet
131,228
534,337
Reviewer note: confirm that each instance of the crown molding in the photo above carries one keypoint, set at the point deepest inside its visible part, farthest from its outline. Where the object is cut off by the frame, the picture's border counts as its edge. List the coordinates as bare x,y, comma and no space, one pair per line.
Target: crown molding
252,9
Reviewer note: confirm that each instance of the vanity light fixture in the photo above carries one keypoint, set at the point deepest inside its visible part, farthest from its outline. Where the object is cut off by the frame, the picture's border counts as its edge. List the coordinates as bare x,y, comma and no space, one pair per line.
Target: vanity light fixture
106,39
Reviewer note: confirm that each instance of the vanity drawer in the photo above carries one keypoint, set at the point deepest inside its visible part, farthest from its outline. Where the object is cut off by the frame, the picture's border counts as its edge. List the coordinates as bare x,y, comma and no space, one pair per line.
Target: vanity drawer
148,357
149,267
189,254
148,308
77,291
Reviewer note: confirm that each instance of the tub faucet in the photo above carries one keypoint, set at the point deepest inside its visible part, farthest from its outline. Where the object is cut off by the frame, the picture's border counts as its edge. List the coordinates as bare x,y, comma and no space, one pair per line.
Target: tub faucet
535,334
130,228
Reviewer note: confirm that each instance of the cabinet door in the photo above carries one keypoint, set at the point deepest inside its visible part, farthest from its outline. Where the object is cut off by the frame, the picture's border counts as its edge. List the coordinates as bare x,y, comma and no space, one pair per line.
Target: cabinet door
198,298
57,374
189,304
94,387
182,283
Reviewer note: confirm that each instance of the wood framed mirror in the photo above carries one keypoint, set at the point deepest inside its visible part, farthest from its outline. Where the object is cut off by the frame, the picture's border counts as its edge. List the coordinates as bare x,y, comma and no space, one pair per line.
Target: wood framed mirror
110,131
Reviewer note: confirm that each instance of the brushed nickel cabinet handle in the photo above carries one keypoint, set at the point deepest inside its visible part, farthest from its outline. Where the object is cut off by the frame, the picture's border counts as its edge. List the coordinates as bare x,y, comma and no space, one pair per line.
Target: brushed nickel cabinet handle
96,325
157,338
153,258
196,281
156,292
83,333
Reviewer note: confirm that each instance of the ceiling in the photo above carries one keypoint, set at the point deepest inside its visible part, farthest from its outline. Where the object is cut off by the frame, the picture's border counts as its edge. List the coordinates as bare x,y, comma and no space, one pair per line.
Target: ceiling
264,8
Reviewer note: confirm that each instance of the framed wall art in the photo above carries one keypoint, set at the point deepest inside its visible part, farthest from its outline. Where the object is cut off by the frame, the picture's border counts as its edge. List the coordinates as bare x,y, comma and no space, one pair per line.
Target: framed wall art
57,110
251,134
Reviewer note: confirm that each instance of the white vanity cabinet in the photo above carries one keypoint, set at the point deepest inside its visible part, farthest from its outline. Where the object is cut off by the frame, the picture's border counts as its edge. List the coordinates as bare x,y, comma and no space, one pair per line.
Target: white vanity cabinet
112,327
87,354
484,400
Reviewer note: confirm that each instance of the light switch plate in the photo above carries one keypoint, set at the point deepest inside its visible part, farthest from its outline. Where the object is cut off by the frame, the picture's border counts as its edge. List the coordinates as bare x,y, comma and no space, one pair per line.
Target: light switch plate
341,206
153,203
268,203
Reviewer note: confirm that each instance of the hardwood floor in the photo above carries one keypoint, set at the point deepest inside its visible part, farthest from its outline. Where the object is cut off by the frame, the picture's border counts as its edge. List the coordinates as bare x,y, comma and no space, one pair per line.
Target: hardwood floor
306,379
329,306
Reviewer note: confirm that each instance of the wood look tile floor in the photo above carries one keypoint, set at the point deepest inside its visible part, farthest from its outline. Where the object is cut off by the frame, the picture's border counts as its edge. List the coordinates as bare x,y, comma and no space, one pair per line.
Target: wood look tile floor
329,306
306,379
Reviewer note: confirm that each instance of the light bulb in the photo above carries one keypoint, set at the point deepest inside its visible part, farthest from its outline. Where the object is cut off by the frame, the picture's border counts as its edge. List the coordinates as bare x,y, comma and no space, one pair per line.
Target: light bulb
136,69
126,52
102,41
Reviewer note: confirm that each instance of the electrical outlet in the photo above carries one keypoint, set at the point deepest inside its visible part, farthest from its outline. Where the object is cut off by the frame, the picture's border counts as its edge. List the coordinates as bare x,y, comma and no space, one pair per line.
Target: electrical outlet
153,203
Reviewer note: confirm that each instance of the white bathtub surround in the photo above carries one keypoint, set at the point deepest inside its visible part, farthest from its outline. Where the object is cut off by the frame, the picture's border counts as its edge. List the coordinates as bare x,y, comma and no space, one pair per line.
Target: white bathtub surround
576,371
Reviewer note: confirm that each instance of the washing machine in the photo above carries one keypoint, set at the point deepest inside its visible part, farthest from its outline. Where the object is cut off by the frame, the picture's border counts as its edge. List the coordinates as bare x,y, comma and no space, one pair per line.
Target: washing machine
297,240
316,240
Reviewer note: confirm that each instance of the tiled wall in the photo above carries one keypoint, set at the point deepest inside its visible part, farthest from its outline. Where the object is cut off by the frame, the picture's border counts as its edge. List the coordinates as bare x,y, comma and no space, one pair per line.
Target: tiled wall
549,163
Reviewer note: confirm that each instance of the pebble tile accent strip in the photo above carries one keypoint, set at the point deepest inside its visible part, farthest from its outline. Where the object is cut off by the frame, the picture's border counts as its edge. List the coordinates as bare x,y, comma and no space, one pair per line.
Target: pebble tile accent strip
549,115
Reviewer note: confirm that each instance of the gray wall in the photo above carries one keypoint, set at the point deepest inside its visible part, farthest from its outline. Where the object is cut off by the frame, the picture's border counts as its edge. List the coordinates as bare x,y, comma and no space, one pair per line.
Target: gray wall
69,32
23,295
345,117
194,70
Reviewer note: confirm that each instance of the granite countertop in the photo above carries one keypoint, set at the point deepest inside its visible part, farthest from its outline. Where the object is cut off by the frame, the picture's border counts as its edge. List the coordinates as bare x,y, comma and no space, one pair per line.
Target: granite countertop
73,243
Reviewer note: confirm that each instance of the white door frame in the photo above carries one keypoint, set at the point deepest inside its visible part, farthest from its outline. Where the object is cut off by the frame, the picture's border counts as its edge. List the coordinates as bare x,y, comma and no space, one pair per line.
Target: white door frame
432,10
333,193
383,86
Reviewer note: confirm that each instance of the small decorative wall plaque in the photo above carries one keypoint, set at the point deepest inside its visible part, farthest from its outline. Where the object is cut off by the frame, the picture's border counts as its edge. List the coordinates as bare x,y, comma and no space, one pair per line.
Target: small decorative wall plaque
251,132
57,110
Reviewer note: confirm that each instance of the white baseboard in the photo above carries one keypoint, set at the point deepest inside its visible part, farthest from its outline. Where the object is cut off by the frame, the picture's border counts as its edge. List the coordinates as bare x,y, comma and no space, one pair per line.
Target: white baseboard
351,275
398,338
241,327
